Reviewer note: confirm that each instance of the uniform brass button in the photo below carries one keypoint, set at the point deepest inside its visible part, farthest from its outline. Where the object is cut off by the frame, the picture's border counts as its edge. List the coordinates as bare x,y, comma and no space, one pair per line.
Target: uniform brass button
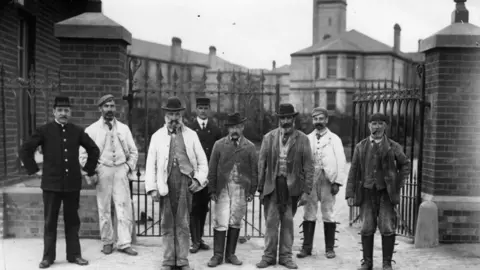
64,140
66,160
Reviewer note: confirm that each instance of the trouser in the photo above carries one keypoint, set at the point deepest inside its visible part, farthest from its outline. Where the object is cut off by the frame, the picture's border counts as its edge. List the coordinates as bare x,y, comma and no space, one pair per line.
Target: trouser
51,205
230,207
377,209
199,214
113,185
275,218
321,191
175,210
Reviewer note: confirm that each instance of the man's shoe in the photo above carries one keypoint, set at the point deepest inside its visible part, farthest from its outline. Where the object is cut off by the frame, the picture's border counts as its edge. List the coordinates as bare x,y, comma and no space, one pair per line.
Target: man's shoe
264,264
107,249
203,246
289,264
79,261
45,264
130,251
194,248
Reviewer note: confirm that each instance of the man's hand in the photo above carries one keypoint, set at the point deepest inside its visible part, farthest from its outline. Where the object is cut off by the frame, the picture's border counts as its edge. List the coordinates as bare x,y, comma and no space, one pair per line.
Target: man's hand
350,201
249,198
213,197
303,200
91,180
335,188
39,173
195,186
155,196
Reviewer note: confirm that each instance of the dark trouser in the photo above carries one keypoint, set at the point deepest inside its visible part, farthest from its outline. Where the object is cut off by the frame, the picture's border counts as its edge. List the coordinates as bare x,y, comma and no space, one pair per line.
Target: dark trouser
377,209
174,211
198,214
51,205
279,213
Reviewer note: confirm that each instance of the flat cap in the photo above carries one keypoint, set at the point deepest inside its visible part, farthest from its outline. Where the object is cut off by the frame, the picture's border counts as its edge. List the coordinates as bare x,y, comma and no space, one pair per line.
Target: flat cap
318,110
378,117
105,99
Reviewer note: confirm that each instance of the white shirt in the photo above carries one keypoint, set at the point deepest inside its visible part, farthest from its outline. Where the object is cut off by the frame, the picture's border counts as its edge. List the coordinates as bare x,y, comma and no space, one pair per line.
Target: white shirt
203,123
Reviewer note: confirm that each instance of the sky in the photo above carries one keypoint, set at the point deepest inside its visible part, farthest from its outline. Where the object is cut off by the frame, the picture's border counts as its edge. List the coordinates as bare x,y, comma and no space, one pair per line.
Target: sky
253,33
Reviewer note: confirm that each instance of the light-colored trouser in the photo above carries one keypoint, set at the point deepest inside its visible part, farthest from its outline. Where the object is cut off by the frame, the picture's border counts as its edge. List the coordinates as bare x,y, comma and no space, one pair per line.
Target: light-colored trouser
230,207
113,185
321,191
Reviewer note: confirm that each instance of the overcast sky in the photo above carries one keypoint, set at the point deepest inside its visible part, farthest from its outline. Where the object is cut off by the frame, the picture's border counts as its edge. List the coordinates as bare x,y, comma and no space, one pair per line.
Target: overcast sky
252,33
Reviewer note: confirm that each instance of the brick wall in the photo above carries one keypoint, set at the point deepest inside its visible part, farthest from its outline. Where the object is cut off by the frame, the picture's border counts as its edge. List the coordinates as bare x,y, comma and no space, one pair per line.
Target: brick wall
24,214
92,68
458,225
46,57
452,139
2,224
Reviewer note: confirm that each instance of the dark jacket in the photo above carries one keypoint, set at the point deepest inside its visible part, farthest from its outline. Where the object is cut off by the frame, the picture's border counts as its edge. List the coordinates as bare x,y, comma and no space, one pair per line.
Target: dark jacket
300,167
224,156
60,147
207,136
395,166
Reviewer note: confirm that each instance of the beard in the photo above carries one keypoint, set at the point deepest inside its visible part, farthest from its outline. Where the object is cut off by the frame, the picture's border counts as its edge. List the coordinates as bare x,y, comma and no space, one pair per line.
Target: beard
235,135
287,125
108,115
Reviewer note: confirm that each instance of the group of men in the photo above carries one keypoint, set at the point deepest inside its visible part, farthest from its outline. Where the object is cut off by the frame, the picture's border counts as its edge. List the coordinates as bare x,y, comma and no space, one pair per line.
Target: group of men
188,167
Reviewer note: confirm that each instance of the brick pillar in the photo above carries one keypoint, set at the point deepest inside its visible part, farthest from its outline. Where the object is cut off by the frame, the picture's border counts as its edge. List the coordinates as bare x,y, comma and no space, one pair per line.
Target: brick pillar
93,51
452,129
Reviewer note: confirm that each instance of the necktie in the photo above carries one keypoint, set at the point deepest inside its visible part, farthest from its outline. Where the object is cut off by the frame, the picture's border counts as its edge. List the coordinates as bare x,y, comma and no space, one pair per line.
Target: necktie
109,125
235,142
284,139
203,125
318,136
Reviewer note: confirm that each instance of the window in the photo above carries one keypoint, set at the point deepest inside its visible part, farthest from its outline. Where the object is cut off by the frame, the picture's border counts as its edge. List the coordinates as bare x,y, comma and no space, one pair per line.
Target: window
351,67
23,48
331,100
316,99
327,36
317,67
331,66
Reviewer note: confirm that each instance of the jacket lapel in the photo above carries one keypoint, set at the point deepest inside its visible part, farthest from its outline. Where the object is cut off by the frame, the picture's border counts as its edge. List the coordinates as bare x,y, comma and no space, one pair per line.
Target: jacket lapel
293,140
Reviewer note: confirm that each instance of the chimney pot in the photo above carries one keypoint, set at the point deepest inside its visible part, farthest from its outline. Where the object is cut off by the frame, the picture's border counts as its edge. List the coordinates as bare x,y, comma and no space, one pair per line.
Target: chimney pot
94,6
176,42
212,50
460,14
274,65
419,44
396,37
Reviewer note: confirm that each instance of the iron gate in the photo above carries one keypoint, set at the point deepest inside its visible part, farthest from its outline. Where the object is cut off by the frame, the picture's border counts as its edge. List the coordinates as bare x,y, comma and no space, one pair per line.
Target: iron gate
229,92
405,107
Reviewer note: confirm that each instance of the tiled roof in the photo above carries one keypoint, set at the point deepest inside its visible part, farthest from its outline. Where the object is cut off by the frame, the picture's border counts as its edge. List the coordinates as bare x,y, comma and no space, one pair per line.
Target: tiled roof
353,41
142,48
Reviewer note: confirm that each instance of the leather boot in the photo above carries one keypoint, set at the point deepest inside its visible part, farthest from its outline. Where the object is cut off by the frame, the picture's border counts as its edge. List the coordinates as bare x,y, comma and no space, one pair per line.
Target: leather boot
308,233
194,235
388,245
232,240
218,248
367,246
200,229
329,229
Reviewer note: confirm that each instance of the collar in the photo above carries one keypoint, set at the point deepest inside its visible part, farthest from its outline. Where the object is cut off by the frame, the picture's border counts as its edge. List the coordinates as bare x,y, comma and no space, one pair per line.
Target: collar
239,139
114,122
59,123
321,133
372,140
179,129
201,121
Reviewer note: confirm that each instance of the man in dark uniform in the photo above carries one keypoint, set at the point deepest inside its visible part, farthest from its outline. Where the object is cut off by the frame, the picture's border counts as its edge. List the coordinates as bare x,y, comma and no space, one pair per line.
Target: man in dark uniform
208,133
61,177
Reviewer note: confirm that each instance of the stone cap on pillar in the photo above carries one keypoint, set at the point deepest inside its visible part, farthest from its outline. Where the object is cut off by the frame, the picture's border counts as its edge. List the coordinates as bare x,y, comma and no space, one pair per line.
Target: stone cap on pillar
92,25
459,34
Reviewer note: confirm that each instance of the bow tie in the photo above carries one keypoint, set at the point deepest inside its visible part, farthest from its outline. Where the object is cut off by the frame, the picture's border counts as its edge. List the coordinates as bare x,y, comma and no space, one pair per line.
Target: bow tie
170,132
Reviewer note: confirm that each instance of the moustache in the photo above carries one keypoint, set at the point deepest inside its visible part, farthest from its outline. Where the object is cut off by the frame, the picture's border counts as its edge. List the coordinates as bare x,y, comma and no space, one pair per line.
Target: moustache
319,125
235,134
173,122
286,125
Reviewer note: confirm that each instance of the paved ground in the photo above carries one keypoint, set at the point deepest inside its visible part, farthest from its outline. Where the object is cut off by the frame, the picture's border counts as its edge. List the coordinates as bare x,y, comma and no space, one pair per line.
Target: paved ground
24,254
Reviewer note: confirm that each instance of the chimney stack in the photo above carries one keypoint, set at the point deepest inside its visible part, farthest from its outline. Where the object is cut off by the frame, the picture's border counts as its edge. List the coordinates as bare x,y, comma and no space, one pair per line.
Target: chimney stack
419,44
460,14
396,37
212,50
176,50
212,57
274,65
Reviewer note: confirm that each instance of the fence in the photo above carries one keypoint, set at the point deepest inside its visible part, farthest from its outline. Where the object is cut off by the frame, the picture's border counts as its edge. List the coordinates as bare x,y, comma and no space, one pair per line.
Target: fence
405,106
241,92
24,104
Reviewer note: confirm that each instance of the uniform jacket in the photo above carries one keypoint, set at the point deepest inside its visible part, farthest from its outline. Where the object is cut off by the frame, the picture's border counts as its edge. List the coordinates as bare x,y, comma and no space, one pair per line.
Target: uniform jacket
395,166
333,158
224,157
156,174
299,163
60,147
97,132
207,136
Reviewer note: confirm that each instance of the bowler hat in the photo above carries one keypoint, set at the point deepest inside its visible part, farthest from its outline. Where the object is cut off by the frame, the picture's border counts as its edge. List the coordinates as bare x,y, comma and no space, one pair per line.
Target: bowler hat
61,101
173,104
378,117
286,110
234,119
203,101
105,99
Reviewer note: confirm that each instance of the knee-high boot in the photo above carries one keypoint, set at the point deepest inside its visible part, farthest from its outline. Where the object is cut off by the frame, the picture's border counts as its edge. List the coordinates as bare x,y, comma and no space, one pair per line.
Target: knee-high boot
232,240
218,248
308,233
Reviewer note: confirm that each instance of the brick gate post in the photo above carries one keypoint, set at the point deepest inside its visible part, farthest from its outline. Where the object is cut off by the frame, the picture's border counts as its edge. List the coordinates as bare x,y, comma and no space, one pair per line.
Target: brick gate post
93,51
451,166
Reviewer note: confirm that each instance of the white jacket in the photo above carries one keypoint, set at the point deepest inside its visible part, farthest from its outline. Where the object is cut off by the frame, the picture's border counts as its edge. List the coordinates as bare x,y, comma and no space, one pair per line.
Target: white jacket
98,134
156,174
333,156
